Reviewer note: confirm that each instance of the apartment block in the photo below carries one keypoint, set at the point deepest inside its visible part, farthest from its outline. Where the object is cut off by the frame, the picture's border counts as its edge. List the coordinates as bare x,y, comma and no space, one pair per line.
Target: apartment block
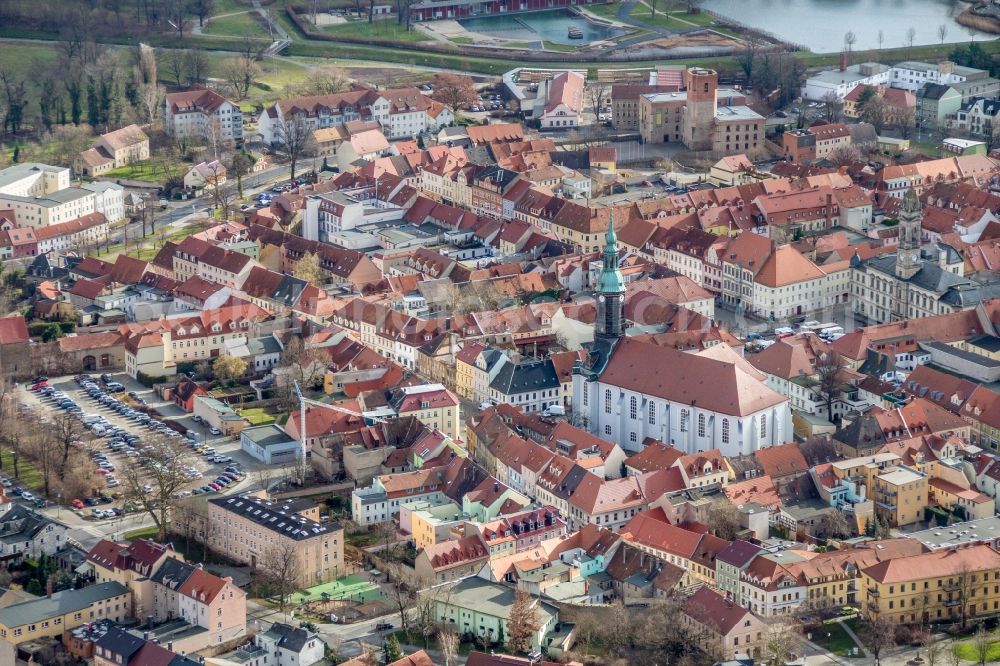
253,531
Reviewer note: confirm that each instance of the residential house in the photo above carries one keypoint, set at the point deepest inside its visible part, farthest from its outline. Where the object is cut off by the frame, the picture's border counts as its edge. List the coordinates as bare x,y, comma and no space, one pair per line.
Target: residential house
205,176
114,150
451,560
720,626
202,113
49,616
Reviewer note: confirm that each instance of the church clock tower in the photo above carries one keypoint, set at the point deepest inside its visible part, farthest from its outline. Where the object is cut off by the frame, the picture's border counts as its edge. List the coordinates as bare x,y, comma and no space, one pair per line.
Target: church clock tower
610,322
908,253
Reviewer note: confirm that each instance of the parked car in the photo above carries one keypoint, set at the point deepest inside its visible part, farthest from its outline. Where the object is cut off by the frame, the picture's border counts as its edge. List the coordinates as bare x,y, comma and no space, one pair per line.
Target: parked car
215,431
77,504
384,626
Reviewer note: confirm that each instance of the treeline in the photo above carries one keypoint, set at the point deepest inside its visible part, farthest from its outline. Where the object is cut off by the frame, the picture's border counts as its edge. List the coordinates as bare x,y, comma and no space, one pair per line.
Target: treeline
98,19
99,87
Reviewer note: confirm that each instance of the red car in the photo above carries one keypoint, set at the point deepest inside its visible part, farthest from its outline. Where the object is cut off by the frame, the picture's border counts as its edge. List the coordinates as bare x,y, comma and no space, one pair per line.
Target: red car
77,504
102,471
39,386
215,486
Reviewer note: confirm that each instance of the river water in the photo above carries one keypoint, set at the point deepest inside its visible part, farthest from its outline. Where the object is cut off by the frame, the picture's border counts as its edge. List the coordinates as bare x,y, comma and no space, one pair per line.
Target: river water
820,25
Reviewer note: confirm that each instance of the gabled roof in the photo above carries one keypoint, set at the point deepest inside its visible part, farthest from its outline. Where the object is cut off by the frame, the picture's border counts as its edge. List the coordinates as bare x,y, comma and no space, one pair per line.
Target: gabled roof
724,385
13,330
783,460
646,531
711,609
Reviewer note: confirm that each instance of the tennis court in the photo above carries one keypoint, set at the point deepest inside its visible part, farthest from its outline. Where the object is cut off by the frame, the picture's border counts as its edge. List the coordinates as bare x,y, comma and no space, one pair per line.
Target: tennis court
349,588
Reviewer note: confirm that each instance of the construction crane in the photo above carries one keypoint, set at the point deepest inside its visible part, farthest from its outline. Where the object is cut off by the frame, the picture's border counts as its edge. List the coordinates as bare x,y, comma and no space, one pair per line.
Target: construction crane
302,413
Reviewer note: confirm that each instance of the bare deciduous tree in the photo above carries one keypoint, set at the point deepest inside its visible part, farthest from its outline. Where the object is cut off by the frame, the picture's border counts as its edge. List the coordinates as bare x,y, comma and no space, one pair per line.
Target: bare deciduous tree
833,107
240,72
152,481
849,40
982,644
295,140
63,431
829,379
454,90
279,568
448,644
833,525
784,637
878,633
725,520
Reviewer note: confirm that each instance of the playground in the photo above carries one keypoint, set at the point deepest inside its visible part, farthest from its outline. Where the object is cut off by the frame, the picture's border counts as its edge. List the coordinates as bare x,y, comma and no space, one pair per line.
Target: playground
349,588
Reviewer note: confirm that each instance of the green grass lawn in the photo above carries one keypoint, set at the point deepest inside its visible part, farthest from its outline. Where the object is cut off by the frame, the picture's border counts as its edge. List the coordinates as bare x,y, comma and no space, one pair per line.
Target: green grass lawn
967,651
385,29
609,11
228,6
236,25
461,40
257,416
661,20
145,171
142,533
838,642
27,476
697,19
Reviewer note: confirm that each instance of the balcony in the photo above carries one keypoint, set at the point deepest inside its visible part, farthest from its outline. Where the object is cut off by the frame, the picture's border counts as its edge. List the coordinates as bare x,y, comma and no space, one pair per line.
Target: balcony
951,603
872,591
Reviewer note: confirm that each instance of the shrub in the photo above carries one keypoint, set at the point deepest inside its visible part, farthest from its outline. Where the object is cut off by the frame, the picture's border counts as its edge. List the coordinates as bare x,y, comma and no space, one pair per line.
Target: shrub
149,380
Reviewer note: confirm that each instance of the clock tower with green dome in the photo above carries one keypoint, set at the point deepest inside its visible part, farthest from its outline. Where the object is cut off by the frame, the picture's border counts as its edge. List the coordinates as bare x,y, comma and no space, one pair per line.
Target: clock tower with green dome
610,291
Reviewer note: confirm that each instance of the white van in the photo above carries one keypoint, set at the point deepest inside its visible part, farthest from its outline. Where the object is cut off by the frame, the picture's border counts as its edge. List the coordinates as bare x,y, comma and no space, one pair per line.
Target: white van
831,331
784,332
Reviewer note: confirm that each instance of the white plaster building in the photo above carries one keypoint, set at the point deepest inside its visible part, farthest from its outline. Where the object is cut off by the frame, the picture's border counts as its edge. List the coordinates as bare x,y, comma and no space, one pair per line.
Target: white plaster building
202,112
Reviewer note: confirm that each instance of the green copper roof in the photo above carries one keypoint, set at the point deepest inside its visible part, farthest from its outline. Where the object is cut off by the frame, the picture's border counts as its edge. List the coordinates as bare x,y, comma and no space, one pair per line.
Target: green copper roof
611,281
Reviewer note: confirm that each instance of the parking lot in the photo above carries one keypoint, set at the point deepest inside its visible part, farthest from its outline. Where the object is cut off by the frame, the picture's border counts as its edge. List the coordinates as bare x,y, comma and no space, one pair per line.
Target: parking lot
121,422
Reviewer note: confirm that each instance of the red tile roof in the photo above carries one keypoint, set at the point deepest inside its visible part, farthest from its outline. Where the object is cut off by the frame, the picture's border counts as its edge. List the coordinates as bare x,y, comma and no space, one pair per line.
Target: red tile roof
13,330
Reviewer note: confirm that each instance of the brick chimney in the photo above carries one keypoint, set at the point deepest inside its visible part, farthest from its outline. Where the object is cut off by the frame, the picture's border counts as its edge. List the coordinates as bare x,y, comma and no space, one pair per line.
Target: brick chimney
843,60
48,587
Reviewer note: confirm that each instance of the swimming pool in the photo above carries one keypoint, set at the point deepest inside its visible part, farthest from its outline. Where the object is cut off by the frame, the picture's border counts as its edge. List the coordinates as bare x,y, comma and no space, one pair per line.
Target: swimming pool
550,26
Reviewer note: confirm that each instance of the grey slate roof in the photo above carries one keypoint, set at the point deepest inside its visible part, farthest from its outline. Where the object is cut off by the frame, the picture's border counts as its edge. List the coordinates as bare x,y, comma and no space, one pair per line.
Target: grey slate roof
863,433
60,603
289,290
172,573
120,642
933,91
275,517
21,523
289,637
971,295
990,106
526,376
930,277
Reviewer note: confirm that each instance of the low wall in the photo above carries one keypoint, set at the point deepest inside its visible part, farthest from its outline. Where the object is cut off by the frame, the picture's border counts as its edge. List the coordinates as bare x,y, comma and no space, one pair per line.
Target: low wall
341,489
